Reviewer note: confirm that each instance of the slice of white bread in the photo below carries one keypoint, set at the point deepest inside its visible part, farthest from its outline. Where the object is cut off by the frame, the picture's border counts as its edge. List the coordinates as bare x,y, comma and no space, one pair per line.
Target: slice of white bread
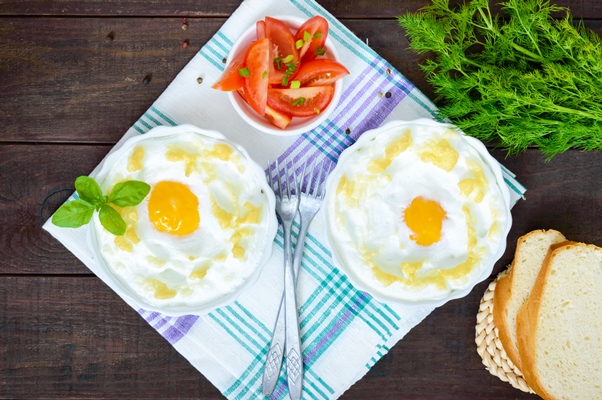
560,325
512,290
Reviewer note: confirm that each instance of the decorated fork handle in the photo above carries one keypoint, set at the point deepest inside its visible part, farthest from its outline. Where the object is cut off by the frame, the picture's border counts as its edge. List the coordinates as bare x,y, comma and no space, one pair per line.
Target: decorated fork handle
271,371
292,342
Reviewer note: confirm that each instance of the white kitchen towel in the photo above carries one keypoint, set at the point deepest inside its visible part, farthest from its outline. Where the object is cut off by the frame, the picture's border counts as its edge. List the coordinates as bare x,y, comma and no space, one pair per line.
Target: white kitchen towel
344,331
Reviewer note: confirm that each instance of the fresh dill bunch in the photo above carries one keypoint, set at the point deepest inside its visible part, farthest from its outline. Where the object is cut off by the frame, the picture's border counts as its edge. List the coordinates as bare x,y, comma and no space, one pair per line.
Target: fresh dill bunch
522,79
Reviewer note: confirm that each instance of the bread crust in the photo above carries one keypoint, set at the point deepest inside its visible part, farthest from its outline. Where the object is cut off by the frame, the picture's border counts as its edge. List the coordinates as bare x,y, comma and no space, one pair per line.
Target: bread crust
502,295
527,321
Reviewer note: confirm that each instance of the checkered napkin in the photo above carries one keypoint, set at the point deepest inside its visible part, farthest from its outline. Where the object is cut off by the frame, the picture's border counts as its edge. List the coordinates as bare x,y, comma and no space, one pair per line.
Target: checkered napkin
344,331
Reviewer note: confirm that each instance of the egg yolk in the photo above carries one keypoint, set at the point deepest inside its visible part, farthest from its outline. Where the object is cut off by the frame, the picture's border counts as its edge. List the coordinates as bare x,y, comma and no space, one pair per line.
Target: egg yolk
425,218
173,208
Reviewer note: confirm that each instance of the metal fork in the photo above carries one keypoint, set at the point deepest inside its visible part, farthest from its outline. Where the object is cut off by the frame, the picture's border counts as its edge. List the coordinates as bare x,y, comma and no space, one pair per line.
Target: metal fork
286,208
311,200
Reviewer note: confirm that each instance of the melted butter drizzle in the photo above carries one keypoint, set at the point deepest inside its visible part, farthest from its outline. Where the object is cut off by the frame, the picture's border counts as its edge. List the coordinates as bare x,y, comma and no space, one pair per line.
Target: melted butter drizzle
161,290
441,153
392,150
175,153
136,159
352,191
123,244
200,272
477,185
155,261
192,161
238,251
248,214
127,241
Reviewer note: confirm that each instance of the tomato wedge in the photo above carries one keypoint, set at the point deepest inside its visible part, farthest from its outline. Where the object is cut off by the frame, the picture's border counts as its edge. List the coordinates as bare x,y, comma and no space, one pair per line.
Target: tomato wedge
317,31
231,79
276,118
284,46
320,72
302,102
260,29
257,61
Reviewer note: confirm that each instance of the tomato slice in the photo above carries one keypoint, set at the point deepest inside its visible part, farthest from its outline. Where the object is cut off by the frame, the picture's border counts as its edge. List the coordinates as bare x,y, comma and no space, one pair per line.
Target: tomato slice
284,46
302,102
231,79
257,61
277,118
260,29
317,31
320,72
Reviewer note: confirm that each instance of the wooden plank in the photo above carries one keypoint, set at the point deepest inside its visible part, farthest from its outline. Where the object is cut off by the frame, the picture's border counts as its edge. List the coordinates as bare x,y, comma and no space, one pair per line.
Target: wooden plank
34,182
441,345
63,79
590,9
67,76
561,195
72,337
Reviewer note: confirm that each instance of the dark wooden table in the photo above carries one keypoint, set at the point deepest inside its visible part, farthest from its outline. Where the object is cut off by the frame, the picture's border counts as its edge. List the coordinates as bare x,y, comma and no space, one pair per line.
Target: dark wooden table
72,81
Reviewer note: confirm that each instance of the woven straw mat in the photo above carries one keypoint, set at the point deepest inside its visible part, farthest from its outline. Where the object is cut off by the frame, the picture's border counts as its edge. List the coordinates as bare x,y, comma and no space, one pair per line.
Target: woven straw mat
490,347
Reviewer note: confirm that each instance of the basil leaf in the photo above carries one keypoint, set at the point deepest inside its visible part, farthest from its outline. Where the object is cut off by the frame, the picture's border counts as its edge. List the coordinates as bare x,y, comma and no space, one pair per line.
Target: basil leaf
88,190
111,220
73,214
129,193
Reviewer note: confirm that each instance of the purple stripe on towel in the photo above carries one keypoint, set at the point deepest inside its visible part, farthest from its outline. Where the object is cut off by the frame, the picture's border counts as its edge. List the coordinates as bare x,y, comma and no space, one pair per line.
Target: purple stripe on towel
178,327
150,318
161,322
334,331
278,390
380,112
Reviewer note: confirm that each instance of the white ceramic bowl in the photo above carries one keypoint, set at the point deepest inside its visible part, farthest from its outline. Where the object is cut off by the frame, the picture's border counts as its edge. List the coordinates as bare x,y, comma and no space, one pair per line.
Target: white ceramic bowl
297,126
118,285
393,127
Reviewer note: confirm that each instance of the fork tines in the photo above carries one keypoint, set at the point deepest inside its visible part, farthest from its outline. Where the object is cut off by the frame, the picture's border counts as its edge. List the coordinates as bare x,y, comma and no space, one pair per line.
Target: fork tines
286,183
318,171
283,179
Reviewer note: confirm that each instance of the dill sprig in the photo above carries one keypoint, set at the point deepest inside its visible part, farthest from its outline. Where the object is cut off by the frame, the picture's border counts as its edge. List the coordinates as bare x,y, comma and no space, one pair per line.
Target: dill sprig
522,79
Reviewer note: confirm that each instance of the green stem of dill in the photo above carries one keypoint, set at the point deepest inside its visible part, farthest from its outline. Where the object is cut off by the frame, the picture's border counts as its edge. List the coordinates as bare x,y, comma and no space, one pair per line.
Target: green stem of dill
566,110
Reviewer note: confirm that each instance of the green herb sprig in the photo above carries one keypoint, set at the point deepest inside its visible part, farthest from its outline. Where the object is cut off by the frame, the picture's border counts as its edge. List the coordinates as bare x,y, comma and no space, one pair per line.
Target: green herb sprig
519,79
79,212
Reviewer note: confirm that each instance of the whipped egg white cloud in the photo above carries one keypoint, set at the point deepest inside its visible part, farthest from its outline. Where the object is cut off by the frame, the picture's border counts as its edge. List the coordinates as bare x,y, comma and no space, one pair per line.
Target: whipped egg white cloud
415,214
202,230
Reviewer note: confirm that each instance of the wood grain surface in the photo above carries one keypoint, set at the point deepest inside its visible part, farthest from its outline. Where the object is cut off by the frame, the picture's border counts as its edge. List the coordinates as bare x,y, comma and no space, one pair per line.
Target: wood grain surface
71,81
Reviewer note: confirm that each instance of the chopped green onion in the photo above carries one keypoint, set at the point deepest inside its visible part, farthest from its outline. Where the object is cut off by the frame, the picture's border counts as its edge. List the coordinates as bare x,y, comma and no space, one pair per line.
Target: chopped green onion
244,72
318,35
306,37
299,44
278,62
299,102
320,51
290,68
285,80
265,73
317,110
295,84
287,59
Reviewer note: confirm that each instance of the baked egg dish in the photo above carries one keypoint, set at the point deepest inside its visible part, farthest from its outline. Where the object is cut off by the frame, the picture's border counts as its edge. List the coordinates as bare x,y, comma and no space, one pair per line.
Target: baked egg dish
414,213
204,229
